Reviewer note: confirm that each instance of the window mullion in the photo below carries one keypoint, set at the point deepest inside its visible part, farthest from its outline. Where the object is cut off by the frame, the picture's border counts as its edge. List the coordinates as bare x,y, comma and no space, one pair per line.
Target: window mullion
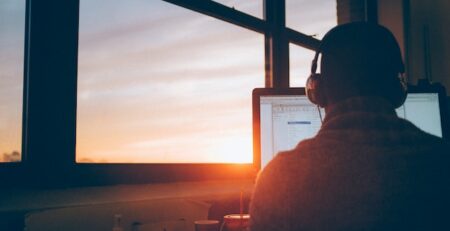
276,44
51,67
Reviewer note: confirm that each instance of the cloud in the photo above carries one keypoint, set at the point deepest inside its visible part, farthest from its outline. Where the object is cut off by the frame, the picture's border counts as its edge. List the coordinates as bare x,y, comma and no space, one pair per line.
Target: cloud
311,17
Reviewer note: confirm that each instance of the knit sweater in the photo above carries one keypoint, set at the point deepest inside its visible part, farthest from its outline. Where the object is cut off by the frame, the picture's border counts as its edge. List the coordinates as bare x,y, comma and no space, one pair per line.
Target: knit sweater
366,169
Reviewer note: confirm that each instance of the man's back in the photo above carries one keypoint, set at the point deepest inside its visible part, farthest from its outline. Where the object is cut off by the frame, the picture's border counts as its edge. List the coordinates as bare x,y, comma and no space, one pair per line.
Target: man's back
365,170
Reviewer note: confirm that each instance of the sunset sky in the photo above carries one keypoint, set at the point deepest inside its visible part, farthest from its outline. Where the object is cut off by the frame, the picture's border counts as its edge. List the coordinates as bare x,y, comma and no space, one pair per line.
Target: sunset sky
12,29
160,83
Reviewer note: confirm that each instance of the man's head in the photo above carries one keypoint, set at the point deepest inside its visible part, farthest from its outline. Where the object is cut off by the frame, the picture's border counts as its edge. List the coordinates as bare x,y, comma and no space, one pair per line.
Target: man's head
358,59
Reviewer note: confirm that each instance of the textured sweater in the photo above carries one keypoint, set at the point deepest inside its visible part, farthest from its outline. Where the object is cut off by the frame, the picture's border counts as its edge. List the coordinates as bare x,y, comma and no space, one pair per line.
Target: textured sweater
366,169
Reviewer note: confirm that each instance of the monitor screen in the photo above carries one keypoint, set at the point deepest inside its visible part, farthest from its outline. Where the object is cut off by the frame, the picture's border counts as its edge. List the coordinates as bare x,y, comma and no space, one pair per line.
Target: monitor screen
286,120
422,109
282,118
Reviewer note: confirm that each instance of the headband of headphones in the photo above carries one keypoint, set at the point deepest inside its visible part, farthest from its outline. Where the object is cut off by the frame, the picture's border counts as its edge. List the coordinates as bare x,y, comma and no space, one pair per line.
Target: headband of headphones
314,84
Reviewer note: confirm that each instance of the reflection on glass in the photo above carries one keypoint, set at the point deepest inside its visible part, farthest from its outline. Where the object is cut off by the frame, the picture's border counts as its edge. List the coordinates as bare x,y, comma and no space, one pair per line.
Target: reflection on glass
158,83
12,34
313,18
300,65
251,7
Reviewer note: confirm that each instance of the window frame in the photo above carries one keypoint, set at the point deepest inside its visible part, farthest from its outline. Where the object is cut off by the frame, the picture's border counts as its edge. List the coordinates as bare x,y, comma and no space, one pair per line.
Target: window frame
50,98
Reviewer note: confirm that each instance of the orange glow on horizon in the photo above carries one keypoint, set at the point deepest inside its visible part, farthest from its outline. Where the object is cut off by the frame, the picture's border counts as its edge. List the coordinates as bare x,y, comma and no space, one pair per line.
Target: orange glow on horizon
236,150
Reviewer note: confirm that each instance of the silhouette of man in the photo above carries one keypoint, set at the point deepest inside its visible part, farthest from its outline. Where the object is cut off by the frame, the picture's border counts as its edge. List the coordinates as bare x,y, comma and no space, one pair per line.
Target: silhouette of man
366,169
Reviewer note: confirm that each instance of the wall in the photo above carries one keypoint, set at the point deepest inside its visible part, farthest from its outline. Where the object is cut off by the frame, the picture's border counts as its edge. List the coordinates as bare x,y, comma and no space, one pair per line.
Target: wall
408,19
433,15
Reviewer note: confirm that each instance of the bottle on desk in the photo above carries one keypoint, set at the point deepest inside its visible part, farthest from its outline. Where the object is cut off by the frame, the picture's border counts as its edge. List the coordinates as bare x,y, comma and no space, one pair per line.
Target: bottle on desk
117,223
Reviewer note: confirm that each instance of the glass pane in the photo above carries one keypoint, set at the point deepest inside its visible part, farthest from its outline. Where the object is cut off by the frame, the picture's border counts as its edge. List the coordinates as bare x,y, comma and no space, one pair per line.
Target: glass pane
251,7
313,18
158,83
300,65
12,34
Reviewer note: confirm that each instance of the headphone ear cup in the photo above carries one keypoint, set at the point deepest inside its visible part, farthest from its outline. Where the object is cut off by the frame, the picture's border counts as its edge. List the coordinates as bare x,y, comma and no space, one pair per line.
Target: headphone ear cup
400,92
313,90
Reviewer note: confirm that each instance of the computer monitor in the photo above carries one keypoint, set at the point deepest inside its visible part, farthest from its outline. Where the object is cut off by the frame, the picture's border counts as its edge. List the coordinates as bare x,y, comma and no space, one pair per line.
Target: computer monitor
284,117
423,110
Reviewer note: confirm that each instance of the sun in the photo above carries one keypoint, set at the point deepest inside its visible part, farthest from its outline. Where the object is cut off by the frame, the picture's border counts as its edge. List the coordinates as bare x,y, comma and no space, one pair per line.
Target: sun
234,149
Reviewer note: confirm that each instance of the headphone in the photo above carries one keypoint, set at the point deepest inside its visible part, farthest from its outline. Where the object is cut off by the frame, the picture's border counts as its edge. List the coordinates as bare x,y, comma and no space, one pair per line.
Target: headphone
315,92
313,84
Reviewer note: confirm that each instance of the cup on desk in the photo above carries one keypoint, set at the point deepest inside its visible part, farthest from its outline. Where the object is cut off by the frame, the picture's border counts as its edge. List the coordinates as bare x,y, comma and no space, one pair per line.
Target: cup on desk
236,222
206,225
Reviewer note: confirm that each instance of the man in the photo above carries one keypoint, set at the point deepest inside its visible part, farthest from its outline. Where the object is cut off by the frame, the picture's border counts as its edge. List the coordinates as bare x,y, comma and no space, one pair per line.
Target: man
366,169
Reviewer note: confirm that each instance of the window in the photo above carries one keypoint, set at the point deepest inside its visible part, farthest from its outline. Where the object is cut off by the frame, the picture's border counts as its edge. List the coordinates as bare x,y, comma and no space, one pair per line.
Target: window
12,27
158,83
134,79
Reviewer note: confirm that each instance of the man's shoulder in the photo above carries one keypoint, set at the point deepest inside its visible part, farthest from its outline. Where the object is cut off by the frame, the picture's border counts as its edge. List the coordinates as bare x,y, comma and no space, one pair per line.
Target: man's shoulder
417,137
292,157
276,189
287,163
